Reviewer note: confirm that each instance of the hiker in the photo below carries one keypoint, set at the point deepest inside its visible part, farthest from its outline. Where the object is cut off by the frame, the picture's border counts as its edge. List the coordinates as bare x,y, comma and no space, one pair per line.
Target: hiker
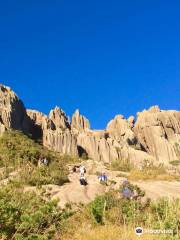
42,162
103,178
82,169
83,180
75,168
45,161
126,191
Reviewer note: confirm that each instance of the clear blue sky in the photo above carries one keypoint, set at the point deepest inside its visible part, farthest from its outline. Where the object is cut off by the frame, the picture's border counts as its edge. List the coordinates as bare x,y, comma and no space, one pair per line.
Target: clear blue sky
104,57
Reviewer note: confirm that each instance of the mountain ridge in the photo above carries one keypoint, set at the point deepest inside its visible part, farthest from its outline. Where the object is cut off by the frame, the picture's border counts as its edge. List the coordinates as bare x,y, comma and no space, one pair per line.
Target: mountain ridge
154,136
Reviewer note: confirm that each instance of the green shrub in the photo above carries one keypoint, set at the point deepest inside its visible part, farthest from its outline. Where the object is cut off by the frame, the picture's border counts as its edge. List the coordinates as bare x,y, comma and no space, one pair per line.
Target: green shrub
100,205
25,215
166,214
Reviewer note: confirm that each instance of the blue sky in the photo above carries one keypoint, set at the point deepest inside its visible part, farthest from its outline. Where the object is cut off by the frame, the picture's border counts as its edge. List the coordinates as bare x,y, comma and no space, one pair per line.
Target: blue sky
103,57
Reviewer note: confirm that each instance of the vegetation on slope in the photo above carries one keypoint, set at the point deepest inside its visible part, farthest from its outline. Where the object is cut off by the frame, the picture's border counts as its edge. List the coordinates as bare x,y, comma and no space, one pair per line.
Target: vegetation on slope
29,215
110,217
26,215
20,155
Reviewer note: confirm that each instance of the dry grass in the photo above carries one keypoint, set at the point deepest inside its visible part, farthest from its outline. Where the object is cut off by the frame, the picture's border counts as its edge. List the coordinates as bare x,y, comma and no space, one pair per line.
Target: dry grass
136,174
108,232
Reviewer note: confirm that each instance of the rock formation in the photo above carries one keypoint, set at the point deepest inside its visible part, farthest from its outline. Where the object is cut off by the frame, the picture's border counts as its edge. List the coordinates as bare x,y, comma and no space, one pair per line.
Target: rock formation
59,119
159,133
12,111
154,136
56,131
79,122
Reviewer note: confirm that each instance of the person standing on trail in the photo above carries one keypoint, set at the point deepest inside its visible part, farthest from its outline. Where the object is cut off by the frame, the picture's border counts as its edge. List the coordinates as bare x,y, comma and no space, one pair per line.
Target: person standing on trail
103,177
83,180
82,170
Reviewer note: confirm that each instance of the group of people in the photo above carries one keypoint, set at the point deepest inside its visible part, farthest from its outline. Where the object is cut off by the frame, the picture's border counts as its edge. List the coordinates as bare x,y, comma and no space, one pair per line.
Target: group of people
126,191
83,180
103,178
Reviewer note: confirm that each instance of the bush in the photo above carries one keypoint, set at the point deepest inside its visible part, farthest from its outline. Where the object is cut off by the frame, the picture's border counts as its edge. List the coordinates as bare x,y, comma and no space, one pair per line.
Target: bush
25,215
100,205
166,214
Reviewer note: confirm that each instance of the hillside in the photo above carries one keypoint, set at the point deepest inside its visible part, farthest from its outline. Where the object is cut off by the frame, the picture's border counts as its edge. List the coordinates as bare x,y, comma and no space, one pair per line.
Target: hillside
47,202
41,197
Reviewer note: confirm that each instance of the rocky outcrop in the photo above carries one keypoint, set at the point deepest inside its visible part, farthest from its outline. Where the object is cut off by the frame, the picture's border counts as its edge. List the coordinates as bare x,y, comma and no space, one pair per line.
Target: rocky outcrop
64,142
97,146
159,133
56,131
36,127
12,111
59,119
79,122
121,129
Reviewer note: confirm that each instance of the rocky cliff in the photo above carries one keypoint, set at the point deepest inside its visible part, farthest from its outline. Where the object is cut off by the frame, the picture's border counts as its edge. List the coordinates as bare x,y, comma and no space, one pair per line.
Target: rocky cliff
159,133
12,111
155,135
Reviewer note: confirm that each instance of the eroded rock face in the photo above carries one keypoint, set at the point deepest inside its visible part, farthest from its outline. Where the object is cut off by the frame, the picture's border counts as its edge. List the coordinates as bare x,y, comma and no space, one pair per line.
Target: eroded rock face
56,131
59,118
12,111
38,120
79,122
64,142
121,129
96,146
159,133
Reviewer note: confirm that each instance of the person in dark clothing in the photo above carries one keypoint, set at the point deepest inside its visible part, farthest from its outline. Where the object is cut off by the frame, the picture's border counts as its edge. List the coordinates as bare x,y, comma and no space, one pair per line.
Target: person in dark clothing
83,180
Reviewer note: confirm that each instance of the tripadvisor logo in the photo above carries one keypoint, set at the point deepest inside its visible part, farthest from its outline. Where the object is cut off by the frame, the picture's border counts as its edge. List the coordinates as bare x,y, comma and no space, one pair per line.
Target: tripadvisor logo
139,231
